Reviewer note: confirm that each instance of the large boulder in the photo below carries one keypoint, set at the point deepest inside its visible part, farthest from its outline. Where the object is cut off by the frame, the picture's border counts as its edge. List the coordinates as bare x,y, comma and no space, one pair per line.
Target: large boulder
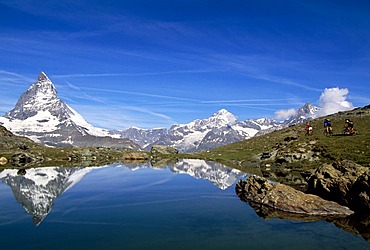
344,182
284,198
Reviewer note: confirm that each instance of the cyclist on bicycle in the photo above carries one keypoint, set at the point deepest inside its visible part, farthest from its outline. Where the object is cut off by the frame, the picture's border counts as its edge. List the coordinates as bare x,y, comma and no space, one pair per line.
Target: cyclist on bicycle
328,127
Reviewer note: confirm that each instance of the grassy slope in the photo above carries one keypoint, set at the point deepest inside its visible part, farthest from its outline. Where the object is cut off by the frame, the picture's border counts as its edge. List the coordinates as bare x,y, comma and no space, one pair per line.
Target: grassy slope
330,148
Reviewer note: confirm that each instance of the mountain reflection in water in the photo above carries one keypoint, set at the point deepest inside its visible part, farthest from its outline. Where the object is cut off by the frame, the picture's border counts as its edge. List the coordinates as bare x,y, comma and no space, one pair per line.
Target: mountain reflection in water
190,204
37,188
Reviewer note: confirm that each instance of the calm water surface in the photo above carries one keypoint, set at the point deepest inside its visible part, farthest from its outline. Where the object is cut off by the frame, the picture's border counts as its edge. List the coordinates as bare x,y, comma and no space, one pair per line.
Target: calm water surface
190,205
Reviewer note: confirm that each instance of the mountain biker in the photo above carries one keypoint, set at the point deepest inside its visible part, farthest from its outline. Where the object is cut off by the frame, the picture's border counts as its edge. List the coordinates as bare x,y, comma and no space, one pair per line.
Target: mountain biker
348,127
328,127
308,129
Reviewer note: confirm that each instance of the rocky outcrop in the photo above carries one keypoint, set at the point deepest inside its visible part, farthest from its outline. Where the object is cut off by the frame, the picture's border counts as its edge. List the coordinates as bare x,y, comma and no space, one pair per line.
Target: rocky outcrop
284,152
163,150
344,182
259,190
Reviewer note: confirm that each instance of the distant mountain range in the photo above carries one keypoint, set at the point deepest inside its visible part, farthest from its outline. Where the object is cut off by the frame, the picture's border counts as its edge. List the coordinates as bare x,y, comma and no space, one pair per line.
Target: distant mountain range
219,129
43,117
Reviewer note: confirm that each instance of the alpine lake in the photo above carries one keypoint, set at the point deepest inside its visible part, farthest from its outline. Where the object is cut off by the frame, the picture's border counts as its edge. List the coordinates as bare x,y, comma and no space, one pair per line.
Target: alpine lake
188,205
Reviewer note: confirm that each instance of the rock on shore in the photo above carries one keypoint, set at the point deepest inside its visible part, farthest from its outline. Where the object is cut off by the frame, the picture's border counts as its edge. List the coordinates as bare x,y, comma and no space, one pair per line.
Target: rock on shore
284,198
344,182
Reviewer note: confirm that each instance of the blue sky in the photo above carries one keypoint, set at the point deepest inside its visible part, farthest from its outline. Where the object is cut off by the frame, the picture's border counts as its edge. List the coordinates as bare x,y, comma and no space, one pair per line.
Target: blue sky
157,63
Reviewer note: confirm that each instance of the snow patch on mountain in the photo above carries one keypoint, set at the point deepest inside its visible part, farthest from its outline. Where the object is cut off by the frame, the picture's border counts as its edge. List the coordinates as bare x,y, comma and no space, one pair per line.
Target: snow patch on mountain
245,131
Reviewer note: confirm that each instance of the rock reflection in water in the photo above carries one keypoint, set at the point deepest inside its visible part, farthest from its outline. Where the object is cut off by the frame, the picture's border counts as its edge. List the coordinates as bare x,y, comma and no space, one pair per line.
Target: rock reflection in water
37,188
355,224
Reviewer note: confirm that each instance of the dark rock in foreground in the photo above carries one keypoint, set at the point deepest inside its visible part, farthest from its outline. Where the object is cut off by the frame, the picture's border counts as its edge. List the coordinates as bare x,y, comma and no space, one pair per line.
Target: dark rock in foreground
284,198
344,182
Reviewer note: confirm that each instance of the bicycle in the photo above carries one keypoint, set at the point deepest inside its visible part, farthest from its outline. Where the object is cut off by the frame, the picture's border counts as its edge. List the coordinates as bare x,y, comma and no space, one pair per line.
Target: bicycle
328,131
349,131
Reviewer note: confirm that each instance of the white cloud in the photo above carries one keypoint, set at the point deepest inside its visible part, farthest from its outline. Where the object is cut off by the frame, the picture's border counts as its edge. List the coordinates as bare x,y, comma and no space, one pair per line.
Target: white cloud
333,100
117,117
283,114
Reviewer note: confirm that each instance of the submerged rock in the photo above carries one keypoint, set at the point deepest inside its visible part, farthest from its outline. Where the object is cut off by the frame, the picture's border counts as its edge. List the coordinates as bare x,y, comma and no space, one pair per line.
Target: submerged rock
284,198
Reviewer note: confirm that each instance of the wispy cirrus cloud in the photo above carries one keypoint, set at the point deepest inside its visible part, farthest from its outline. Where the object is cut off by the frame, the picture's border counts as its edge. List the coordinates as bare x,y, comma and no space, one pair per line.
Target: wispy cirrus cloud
72,93
278,100
133,74
8,76
261,67
121,117
116,91
6,104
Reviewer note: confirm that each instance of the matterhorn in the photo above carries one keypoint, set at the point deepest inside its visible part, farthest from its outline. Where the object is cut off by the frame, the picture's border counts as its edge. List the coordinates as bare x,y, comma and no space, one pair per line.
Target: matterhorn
43,117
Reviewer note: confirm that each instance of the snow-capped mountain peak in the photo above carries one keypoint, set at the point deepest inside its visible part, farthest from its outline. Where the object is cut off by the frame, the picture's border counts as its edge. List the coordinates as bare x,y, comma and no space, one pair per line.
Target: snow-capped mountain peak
40,96
308,110
303,114
43,83
43,117
42,109
223,117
